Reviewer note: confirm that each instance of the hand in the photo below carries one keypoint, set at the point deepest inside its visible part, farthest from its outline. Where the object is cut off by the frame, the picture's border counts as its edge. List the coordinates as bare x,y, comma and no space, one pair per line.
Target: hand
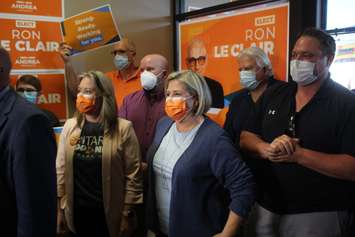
65,51
265,150
61,224
283,145
293,158
128,225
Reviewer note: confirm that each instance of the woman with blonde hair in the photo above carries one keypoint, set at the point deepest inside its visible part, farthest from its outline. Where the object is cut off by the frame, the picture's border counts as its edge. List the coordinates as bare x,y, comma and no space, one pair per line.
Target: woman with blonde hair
198,185
98,164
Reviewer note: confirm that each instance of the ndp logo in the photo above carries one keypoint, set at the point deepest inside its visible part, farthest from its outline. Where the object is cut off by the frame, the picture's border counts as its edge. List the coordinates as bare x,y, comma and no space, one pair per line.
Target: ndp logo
265,20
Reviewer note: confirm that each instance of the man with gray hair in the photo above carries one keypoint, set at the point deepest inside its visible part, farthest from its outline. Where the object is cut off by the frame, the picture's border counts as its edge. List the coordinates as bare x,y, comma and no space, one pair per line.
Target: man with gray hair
255,73
27,164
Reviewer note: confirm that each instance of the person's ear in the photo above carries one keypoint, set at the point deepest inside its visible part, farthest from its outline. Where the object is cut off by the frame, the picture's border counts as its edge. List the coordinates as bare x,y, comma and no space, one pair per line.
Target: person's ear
330,59
164,74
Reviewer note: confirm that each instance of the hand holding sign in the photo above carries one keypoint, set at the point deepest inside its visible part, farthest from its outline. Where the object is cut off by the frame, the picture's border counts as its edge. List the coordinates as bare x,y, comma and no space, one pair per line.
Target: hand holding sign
88,30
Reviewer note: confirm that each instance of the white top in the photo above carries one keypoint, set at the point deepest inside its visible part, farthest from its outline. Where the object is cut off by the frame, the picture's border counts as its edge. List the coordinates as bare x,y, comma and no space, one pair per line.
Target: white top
170,150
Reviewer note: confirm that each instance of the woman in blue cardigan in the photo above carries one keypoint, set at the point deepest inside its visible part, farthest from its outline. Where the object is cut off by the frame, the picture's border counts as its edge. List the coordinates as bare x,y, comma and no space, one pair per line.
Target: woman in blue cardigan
198,185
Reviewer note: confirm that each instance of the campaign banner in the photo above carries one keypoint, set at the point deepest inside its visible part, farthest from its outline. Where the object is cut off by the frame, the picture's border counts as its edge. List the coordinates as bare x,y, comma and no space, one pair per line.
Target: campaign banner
91,29
213,42
53,94
52,8
31,44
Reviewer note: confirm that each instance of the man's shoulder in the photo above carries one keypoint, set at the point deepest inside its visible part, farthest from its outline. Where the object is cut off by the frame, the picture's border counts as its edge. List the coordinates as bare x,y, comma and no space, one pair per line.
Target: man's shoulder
111,74
279,88
239,96
23,109
134,95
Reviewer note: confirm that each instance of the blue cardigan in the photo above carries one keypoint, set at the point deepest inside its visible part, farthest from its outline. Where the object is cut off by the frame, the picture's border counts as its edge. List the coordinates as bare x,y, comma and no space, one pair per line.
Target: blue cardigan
208,180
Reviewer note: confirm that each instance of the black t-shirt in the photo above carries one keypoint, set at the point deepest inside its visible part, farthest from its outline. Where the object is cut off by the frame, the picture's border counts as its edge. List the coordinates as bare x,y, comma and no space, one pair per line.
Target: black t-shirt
326,124
242,104
87,166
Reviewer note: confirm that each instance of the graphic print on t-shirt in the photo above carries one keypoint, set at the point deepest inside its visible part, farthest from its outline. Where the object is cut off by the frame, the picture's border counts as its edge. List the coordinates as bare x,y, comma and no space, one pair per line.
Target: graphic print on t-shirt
89,147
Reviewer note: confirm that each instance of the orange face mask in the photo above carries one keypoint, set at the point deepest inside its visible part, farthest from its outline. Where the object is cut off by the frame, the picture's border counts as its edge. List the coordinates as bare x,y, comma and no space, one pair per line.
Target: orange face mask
85,104
176,107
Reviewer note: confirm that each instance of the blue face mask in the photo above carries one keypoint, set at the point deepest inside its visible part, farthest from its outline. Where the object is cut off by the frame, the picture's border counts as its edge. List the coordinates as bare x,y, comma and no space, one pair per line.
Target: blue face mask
120,61
30,96
248,79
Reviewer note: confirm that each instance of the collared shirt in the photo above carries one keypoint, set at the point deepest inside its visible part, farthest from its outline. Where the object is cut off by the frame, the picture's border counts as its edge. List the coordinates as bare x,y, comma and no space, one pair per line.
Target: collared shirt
124,87
325,124
242,104
144,111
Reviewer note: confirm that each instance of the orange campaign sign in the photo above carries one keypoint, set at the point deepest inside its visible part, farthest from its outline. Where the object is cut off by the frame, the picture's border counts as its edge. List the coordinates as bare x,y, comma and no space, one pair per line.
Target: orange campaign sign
90,29
32,44
52,8
215,41
53,94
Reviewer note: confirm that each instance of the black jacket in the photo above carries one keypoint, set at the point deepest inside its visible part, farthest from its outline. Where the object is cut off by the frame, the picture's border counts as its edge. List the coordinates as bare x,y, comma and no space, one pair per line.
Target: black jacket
27,170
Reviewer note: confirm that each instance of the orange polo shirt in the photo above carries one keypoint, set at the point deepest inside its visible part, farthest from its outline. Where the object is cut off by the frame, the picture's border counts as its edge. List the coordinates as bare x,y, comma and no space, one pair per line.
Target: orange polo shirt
124,87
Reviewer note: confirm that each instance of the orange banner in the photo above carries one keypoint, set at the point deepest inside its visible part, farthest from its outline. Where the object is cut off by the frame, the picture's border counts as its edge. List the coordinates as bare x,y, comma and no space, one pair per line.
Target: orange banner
91,29
224,35
210,45
32,44
53,96
52,8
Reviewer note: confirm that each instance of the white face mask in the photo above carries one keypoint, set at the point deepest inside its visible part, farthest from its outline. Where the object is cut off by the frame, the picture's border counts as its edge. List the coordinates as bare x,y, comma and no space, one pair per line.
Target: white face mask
302,72
148,80
248,79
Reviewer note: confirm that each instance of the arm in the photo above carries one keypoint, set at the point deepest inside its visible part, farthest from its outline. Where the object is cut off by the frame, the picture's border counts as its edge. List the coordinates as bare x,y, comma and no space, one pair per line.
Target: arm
228,124
341,166
60,168
134,179
255,145
232,225
34,178
237,178
70,75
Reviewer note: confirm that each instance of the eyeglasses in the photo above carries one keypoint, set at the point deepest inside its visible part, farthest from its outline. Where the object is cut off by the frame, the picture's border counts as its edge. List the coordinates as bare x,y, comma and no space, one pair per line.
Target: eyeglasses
25,89
200,61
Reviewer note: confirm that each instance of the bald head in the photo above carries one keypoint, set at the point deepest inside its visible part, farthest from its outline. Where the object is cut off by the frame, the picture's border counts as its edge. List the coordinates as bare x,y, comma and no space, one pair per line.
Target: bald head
5,67
158,65
197,56
154,62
